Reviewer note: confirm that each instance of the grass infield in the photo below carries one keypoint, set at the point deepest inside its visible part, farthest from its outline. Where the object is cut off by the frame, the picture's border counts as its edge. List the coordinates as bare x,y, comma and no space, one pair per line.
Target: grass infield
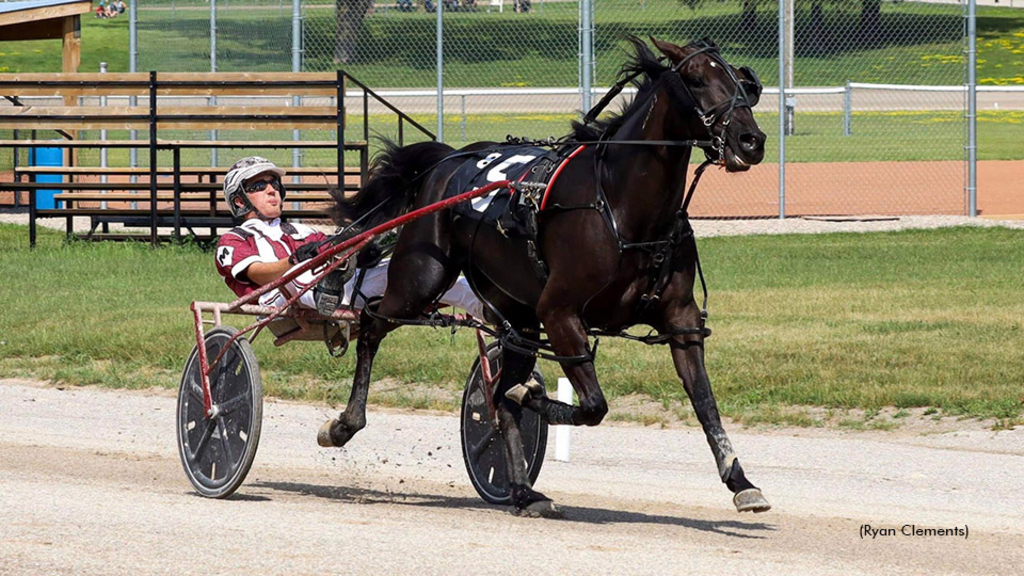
841,321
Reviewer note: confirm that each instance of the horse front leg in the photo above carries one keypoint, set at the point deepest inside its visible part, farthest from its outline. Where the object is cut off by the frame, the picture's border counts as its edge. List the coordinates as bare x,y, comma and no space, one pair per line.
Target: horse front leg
568,338
688,356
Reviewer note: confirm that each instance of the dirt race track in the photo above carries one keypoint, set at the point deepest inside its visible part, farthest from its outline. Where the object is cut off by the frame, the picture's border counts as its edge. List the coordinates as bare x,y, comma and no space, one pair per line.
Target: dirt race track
90,483
829,188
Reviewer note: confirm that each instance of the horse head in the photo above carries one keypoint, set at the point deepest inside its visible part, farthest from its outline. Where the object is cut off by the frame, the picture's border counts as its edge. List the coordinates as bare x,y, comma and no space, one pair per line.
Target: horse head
721,98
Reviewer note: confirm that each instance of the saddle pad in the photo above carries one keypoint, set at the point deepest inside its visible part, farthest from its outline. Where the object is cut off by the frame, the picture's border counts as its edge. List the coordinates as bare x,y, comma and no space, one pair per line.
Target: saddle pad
493,165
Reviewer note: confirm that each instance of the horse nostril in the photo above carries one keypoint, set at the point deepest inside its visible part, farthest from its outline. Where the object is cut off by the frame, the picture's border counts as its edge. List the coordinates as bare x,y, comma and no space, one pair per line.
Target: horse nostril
752,140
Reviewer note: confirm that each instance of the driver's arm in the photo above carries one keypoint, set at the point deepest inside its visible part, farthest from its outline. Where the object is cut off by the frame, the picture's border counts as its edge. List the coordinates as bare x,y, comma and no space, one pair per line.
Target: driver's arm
261,273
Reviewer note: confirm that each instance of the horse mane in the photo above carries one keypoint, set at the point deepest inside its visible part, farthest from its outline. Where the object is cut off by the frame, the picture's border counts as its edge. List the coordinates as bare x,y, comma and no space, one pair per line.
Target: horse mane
646,63
650,69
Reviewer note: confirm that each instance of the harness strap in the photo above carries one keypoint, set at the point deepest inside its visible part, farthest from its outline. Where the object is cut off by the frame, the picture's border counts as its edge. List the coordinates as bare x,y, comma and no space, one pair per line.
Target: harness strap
662,261
558,171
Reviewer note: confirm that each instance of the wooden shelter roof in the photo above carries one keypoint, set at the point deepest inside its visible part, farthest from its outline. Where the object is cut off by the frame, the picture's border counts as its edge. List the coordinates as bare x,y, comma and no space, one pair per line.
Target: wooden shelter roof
38,19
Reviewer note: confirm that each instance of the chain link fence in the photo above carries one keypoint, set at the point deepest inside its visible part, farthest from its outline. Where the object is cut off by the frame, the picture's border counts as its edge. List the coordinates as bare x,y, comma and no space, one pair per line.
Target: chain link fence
747,35
874,113
871,148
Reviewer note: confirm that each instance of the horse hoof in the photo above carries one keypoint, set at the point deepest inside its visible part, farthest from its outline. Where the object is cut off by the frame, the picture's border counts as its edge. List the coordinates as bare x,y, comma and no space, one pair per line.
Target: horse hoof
520,392
540,509
323,437
751,500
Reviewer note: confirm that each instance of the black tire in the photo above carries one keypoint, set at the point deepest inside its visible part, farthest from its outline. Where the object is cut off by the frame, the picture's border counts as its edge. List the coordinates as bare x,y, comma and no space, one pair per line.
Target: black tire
217,452
482,448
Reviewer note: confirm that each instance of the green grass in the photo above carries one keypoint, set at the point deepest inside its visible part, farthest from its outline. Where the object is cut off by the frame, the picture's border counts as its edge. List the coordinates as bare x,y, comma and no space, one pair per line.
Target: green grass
843,321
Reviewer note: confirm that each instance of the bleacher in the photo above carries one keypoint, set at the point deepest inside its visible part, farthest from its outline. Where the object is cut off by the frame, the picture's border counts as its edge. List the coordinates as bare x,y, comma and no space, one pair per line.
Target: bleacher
166,200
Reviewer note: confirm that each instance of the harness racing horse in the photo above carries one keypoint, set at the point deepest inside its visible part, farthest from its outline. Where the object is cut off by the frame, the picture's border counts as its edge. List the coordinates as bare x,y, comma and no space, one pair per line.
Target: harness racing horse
614,237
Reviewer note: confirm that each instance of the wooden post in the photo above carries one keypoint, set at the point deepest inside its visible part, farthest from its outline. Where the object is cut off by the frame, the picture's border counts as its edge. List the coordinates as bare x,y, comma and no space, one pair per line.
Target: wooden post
72,57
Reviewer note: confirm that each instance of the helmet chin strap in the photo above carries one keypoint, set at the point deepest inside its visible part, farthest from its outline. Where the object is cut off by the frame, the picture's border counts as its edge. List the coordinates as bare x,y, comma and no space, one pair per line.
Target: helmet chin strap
246,203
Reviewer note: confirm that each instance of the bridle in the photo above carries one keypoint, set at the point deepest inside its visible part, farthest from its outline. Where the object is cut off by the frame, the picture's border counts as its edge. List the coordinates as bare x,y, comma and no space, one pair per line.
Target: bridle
746,94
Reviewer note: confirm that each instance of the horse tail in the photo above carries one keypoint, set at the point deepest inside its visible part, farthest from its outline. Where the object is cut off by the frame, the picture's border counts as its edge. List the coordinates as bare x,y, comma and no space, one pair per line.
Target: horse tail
394,179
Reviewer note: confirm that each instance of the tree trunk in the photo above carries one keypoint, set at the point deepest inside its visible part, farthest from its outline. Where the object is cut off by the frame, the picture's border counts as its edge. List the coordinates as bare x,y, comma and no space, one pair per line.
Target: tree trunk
349,16
748,20
871,22
816,46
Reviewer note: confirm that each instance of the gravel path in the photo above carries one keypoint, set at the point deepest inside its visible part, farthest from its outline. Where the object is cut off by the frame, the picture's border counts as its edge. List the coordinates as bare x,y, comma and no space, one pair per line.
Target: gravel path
90,483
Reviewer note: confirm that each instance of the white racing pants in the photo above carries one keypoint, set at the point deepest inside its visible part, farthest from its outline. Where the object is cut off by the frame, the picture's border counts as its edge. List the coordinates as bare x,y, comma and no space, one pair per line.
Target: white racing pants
375,281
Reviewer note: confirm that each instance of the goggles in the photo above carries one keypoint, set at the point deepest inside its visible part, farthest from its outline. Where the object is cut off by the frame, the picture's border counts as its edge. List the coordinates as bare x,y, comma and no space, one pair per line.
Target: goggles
751,85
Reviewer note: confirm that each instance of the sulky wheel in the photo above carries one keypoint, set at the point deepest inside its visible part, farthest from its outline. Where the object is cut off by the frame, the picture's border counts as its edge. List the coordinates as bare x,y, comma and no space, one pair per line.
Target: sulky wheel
482,447
218,451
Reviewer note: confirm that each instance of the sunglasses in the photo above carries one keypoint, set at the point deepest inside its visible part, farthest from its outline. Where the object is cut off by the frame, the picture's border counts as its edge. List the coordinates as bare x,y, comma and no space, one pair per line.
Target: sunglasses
261,184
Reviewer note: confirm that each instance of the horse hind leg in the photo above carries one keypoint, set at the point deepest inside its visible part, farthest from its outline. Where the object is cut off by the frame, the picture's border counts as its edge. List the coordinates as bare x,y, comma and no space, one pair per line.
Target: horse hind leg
336,432
516,369
402,299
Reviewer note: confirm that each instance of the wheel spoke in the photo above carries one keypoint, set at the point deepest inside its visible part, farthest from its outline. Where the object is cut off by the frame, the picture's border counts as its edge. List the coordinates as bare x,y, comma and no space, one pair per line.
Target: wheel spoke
230,405
225,443
476,450
201,445
196,391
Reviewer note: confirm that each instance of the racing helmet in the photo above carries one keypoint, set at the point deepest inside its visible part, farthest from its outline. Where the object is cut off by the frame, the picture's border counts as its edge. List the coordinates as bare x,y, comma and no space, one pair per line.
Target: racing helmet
241,171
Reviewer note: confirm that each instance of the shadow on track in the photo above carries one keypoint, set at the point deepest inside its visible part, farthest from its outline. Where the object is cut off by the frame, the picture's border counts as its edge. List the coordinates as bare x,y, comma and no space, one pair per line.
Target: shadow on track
572,513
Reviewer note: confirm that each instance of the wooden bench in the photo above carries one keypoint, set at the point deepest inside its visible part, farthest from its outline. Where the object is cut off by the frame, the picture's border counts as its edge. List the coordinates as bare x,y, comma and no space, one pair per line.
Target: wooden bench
106,203
200,171
160,115
189,211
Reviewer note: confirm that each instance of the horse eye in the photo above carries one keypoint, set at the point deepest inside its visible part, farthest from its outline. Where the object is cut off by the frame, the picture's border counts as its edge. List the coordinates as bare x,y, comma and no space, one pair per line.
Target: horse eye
697,82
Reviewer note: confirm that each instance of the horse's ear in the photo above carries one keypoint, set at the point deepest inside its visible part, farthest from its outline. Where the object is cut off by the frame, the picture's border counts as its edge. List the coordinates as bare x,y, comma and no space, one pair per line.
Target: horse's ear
673,52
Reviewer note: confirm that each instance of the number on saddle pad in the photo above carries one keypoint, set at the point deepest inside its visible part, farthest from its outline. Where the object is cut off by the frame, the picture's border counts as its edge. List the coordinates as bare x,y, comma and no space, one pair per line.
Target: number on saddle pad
507,163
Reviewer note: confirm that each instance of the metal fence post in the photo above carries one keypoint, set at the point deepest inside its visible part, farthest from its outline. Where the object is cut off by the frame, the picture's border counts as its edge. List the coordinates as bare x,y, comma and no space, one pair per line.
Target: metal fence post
972,108
790,61
133,63
782,109
440,70
103,136
847,109
586,54
213,68
297,100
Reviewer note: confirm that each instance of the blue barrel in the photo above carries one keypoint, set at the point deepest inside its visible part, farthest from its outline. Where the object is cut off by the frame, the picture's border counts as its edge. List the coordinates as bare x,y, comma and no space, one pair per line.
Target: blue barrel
47,157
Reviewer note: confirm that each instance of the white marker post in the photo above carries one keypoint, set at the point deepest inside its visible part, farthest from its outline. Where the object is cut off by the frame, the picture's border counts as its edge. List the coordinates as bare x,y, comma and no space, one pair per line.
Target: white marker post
563,434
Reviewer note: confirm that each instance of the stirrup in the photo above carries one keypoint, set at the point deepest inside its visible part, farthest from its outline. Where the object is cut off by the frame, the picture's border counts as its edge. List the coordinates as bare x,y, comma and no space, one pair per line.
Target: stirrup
337,345
330,290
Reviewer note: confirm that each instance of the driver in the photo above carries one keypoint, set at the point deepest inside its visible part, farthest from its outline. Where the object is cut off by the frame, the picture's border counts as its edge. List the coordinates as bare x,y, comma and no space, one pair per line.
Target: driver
264,248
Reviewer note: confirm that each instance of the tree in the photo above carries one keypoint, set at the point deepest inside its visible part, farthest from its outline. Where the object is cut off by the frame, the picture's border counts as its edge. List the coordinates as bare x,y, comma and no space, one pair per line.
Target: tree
349,16
870,22
748,19
816,33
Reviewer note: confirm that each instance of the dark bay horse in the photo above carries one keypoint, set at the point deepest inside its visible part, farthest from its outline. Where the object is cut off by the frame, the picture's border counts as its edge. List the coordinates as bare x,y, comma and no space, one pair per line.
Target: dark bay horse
618,248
